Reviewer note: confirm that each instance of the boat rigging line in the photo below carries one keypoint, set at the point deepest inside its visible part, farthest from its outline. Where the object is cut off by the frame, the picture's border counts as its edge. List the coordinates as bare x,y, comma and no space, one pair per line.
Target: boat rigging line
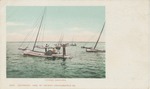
39,29
28,36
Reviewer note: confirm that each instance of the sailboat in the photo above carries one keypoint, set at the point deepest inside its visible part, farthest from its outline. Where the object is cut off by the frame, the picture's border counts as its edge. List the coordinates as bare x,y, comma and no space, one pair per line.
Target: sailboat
58,44
73,43
50,52
91,49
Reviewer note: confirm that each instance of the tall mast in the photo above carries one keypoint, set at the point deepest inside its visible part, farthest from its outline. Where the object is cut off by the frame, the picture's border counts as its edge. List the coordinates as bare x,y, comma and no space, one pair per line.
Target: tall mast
39,29
99,36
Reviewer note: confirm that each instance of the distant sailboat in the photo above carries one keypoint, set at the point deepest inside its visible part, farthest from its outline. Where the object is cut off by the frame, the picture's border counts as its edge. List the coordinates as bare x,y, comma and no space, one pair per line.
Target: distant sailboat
50,52
58,45
73,43
94,49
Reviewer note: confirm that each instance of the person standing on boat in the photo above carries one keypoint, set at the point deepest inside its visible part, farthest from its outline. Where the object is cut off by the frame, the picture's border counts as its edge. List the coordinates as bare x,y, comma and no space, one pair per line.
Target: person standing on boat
46,47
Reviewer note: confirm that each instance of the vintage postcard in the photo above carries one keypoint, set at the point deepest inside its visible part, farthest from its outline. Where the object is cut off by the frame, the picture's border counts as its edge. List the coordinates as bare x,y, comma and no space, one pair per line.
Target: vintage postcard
61,42
74,44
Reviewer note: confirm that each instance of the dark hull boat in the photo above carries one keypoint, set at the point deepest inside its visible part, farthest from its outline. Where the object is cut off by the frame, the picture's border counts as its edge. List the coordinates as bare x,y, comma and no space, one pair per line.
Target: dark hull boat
94,50
86,47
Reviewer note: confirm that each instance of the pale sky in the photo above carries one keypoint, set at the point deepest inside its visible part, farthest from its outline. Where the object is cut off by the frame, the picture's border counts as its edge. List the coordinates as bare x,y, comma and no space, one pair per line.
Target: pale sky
80,23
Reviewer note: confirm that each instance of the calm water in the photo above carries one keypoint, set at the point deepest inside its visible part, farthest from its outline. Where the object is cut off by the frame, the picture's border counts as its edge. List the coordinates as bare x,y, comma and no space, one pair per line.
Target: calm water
82,65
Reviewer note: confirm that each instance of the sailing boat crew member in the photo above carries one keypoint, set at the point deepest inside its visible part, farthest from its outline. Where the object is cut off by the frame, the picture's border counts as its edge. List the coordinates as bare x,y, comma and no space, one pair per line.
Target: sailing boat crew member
46,47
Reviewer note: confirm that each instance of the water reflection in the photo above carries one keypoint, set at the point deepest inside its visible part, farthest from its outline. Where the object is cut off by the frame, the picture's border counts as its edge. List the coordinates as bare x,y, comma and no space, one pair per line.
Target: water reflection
63,63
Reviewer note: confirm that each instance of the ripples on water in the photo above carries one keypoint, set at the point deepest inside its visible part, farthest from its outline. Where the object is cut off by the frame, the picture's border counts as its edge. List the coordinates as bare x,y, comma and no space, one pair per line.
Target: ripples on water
82,65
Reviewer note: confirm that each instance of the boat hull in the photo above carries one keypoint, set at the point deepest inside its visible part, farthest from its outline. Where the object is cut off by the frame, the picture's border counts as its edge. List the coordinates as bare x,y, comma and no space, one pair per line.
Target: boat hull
42,54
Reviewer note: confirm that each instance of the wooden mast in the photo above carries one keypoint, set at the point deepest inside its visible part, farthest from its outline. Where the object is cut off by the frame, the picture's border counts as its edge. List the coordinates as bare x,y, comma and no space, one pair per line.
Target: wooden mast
39,29
99,36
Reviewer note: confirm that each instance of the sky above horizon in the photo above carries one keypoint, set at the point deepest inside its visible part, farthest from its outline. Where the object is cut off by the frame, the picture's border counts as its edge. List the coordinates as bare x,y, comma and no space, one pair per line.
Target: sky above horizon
76,23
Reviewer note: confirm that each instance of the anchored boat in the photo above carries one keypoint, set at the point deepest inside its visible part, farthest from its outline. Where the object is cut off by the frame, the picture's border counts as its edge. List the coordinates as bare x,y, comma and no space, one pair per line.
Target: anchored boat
73,43
58,45
91,49
49,52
